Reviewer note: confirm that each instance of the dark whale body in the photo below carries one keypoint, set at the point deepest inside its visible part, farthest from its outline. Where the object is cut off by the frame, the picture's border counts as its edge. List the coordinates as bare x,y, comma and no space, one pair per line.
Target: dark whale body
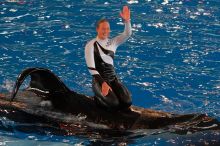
45,86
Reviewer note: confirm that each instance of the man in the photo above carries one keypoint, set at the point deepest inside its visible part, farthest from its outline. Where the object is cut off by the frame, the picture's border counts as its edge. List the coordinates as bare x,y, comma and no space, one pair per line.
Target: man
99,55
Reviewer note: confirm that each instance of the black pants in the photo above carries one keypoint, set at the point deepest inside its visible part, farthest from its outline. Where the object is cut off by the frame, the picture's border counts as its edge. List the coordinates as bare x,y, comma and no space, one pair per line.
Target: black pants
117,99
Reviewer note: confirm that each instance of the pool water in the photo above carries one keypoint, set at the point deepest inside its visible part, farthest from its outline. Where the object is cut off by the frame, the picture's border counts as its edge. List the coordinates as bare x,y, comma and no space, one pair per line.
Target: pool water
170,63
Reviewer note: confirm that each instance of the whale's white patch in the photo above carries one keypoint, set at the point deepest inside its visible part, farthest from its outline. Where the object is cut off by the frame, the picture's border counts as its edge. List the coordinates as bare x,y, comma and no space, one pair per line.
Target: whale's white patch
45,103
36,89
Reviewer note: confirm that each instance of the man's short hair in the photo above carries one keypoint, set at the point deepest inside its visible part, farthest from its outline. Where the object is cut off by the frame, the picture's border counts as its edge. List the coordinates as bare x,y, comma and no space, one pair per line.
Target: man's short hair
101,21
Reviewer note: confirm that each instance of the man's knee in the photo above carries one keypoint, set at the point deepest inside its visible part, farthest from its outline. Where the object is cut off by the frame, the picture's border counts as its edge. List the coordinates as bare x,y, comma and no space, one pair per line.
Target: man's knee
125,95
127,102
112,105
109,101
113,101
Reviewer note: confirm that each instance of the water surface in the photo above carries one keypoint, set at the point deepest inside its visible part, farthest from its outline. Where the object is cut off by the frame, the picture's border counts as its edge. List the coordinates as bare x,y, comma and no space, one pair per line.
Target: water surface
170,63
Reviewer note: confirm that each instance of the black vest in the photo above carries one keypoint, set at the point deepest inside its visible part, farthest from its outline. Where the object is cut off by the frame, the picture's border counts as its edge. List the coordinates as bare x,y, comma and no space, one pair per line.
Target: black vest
106,71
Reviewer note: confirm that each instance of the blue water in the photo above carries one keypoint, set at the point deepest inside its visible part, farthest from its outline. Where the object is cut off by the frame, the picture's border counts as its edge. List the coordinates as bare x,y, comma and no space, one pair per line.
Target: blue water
171,62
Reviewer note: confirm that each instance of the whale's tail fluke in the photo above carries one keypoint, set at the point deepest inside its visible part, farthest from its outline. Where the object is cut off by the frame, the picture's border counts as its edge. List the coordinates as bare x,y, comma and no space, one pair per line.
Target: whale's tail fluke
43,82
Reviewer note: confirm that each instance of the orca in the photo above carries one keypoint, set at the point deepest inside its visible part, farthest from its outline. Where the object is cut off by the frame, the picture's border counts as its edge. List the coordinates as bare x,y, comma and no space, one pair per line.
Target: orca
48,97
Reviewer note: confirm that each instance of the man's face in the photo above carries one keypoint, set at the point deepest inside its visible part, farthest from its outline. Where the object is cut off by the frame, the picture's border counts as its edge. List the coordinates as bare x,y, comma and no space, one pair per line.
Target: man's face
103,30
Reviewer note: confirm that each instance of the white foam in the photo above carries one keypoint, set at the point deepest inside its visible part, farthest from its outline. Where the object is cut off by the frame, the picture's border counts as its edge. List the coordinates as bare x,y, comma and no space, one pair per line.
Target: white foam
146,84
132,2
158,25
66,52
165,99
159,10
13,10
8,85
4,32
165,2
67,26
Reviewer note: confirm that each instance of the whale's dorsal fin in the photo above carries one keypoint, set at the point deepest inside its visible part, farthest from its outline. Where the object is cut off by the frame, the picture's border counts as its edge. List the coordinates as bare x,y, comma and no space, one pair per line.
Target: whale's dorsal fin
42,81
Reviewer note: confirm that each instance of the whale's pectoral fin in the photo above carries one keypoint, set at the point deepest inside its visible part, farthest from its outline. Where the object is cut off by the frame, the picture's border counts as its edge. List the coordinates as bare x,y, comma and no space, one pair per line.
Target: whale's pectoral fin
43,81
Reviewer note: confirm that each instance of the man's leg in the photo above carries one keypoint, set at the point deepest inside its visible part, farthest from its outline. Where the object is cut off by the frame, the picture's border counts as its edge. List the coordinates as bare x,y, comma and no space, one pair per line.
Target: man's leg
109,101
122,93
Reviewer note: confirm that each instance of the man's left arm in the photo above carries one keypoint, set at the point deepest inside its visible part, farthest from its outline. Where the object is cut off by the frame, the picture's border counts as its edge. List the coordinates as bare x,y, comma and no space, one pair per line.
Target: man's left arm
118,40
125,15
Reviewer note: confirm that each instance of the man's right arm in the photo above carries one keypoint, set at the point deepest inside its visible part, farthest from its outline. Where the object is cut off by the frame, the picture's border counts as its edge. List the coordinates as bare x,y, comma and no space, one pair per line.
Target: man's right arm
90,61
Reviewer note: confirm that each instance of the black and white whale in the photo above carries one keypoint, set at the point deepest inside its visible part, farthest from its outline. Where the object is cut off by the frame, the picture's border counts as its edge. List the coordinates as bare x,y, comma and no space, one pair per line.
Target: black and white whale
46,88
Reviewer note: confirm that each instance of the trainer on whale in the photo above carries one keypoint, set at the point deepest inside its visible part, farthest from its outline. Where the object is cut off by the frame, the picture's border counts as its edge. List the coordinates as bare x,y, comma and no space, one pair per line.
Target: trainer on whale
109,92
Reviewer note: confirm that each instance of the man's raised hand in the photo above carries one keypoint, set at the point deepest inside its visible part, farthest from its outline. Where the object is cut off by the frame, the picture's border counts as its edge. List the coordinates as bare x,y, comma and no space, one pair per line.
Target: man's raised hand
125,13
